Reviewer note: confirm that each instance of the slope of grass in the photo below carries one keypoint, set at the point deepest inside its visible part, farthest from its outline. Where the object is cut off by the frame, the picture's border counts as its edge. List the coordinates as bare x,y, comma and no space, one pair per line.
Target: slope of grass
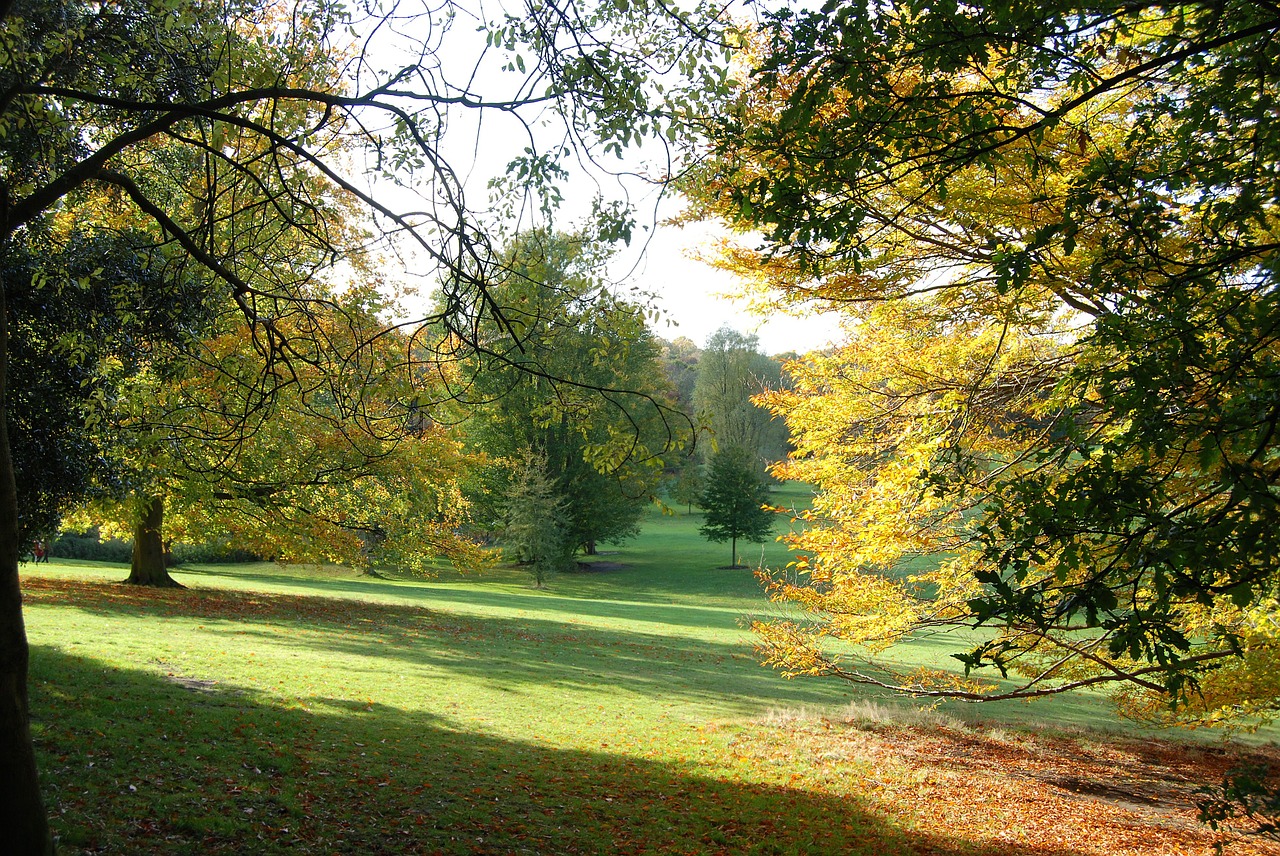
287,710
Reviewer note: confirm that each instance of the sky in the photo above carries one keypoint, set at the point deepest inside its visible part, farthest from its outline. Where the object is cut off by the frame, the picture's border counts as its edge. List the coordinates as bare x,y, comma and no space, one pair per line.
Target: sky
695,299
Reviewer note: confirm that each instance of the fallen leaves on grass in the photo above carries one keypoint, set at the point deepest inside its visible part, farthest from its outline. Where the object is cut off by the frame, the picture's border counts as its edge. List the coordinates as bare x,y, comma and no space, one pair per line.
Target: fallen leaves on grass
1108,795
209,603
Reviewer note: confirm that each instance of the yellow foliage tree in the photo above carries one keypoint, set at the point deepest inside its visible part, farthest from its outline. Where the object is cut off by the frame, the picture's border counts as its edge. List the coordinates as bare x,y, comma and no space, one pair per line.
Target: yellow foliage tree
1054,420
339,465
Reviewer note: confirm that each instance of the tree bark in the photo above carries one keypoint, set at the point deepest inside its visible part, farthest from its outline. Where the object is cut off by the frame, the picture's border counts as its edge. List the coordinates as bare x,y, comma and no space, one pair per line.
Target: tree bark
148,567
23,824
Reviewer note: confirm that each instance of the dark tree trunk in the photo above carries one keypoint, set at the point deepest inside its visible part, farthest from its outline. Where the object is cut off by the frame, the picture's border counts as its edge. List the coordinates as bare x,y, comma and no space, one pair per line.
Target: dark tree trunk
733,548
23,825
589,549
148,568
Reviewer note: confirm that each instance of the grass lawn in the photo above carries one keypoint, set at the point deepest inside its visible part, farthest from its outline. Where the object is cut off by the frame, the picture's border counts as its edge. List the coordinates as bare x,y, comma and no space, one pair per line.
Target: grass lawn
305,710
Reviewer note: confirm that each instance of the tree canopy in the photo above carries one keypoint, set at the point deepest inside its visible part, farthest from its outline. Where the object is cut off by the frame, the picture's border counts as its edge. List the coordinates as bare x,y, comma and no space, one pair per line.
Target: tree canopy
735,500
75,330
1053,230
731,370
359,480
578,386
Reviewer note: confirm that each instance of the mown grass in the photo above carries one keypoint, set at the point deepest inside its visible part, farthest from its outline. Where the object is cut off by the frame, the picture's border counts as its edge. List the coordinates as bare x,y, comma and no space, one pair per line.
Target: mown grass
289,710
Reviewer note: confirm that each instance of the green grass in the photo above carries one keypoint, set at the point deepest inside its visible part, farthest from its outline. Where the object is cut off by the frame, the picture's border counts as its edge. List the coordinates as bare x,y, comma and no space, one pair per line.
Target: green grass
282,710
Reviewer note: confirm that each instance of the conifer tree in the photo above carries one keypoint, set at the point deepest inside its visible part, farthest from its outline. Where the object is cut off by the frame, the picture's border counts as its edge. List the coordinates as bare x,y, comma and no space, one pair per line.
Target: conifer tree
735,501
536,526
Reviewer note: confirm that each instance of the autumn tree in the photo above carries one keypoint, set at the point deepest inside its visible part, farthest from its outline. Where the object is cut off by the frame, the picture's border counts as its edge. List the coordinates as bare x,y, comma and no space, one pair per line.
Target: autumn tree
736,501
245,107
1053,230
356,480
581,391
331,465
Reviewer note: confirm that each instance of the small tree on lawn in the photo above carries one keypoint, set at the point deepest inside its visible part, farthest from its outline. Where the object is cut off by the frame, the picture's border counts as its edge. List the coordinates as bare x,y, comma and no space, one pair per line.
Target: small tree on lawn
734,500
535,522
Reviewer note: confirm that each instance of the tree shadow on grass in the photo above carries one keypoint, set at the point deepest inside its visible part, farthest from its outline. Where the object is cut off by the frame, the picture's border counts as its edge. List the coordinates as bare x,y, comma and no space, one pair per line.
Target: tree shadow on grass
514,654
680,615
509,654
133,763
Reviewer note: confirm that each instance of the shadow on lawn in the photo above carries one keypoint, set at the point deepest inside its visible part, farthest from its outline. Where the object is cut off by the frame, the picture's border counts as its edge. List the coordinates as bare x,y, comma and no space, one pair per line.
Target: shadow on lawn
505,653
508,654
678,615
133,763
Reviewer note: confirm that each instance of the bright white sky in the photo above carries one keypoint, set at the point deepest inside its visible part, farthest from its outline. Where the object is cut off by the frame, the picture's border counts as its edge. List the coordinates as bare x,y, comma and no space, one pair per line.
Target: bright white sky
694,298
698,299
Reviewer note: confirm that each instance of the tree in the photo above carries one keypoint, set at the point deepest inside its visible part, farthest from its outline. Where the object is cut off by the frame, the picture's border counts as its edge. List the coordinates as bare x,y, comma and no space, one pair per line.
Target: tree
731,370
680,361
736,501
603,426
66,353
1053,231
244,107
689,484
355,480
535,527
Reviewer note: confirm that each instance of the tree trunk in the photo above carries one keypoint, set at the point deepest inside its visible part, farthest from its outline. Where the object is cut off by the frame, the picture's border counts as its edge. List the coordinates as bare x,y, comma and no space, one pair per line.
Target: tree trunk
589,549
148,568
23,824
733,548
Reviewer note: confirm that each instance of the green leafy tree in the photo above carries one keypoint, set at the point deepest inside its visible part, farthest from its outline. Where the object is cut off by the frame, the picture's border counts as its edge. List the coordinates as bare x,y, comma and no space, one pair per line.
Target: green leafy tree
680,362
578,383
689,484
535,526
731,371
1053,230
66,356
736,501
